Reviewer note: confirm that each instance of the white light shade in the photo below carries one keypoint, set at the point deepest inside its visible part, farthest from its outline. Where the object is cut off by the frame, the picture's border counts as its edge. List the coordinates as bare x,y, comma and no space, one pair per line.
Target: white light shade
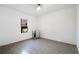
38,8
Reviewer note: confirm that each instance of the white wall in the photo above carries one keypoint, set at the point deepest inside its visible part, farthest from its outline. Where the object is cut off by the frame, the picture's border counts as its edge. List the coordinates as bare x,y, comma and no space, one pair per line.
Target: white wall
10,28
78,26
59,25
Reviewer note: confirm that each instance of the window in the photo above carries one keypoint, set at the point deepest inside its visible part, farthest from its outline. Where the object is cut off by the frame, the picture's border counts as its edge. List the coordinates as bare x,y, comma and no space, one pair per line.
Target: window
24,27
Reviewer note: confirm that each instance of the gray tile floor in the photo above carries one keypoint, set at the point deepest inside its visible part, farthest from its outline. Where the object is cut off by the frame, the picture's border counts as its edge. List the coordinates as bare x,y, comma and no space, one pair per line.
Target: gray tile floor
39,46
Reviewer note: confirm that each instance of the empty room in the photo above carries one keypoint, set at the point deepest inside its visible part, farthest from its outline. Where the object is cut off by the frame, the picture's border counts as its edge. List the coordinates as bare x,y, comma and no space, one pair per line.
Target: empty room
39,28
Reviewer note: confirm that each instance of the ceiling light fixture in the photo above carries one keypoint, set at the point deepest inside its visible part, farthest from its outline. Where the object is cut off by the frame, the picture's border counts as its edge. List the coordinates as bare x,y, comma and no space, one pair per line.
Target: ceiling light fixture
38,7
